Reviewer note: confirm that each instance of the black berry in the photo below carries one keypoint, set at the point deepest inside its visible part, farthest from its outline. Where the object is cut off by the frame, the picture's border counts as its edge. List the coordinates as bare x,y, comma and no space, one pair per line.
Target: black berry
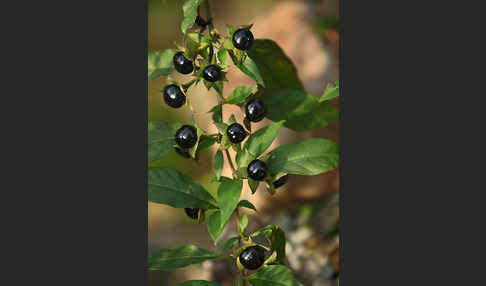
212,73
182,64
173,96
257,170
236,133
186,136
255,110
242,39
192,213
280,182
252,257
182,152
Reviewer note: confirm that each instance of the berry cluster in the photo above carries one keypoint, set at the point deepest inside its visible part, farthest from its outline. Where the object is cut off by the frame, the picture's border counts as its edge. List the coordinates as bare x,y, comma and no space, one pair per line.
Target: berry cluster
204,66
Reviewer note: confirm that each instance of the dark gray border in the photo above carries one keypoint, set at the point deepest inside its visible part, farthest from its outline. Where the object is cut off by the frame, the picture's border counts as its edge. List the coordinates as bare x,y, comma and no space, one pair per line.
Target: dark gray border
79,208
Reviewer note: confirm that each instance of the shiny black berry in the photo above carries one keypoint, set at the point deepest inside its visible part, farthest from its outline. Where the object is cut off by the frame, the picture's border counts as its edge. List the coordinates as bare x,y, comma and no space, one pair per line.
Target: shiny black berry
242,39
255,110
186,136
257,170
182,64
173,96
212,73
192,213
236,133
280,182
182,152
252,257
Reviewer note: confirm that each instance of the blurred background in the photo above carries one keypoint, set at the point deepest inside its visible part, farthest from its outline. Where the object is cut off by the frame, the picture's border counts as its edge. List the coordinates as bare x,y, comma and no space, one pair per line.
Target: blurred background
306,207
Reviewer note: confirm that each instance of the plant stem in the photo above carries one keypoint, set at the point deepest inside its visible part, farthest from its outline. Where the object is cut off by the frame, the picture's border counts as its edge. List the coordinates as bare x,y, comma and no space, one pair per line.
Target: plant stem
208,15
230,161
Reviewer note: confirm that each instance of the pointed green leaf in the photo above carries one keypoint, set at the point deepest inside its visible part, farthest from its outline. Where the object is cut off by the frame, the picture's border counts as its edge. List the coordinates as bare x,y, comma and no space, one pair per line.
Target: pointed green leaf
276,69
308,157
165,259
190,13
284,93
243,222
240,94
246,204
301,110
222,58
332,91
160,63
274,275
253,185
248,67
170,187
215,228
161,138
228,196
218,164
259,141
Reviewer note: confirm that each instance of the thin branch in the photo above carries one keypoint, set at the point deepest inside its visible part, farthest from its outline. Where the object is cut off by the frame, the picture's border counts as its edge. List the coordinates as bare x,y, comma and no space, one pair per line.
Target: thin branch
230,161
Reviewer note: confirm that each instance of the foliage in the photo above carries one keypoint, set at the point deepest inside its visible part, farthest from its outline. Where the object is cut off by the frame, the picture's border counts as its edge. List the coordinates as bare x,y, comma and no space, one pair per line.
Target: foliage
287,104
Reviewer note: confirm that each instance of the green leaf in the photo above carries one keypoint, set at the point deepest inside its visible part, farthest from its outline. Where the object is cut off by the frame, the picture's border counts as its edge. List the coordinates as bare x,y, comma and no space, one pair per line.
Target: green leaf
243,222
215,228
161,138
166,259
160,63
301,110
244,158
217,113
197,283
230,242
276,69
276,237
218,164
246,204
170,187
248,67
229,195
190,13
332,91
222,58
259,141
240,94
274,275
284,93
308,157
205,142
253,185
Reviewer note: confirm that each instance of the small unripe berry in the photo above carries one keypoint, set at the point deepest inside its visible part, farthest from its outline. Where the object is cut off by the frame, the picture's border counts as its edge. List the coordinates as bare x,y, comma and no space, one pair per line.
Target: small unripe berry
182,64
255,110
186,136
243,39
257,170
212,73
236,133
280,182
192,213
173,96
252,257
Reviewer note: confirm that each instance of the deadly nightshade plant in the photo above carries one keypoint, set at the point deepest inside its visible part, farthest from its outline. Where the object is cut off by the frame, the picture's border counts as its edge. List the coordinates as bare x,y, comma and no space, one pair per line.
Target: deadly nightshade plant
279,96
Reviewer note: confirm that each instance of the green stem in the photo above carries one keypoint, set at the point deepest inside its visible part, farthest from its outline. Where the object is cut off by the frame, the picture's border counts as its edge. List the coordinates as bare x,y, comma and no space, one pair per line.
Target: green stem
230,161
